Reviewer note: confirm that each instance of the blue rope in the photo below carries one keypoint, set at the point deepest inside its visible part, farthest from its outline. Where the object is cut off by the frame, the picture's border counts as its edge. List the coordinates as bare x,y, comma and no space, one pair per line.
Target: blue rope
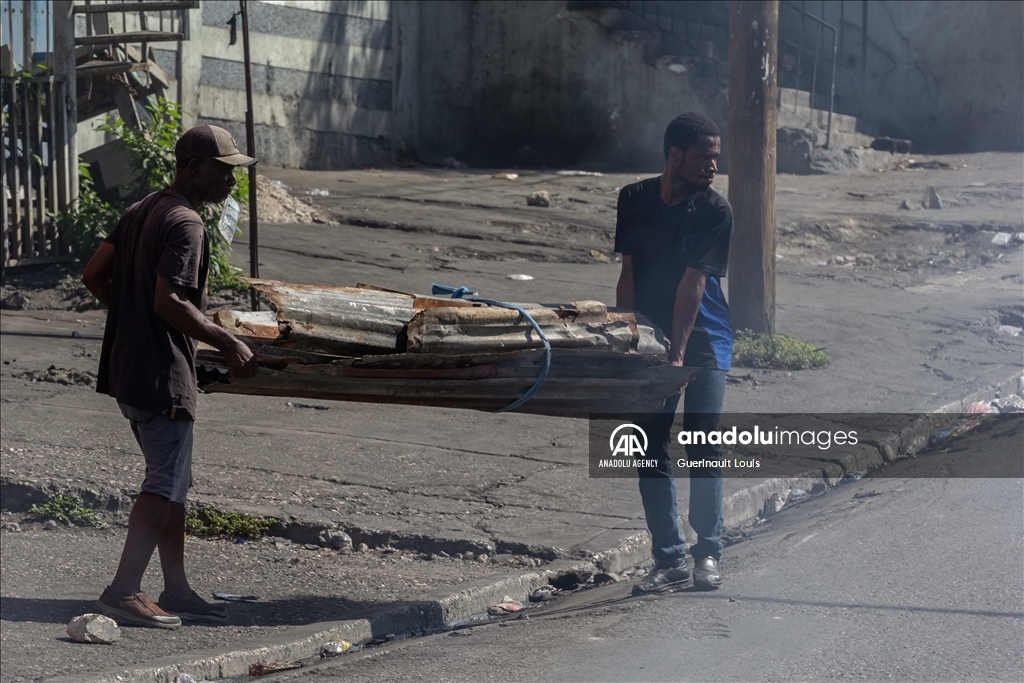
462,292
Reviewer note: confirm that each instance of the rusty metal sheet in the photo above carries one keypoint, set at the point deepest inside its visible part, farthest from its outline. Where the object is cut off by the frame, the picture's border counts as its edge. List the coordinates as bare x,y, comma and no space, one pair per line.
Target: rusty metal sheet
338,320
257,324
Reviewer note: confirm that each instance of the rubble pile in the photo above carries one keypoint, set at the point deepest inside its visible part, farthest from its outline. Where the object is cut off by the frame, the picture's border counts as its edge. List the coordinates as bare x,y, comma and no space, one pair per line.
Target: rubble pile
372,345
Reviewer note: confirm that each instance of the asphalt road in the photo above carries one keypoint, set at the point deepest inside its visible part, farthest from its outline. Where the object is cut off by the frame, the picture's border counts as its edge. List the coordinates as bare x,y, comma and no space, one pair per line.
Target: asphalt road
895,579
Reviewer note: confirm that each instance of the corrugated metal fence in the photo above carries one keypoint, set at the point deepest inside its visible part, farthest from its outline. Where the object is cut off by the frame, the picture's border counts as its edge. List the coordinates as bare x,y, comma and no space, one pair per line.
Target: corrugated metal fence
35,173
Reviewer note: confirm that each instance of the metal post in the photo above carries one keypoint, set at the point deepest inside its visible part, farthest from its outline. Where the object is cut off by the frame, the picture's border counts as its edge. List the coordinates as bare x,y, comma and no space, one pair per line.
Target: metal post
250,145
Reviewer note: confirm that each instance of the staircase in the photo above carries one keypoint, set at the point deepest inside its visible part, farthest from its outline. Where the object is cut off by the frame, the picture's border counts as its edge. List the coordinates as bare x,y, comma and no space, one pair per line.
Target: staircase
111,72
696,34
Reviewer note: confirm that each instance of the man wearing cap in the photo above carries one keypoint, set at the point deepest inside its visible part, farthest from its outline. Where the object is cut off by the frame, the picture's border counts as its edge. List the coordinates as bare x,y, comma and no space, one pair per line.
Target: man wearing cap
151,274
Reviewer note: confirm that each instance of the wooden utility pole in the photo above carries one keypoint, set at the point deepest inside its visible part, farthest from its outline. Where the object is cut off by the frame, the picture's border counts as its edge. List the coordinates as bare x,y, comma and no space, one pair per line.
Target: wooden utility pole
753,60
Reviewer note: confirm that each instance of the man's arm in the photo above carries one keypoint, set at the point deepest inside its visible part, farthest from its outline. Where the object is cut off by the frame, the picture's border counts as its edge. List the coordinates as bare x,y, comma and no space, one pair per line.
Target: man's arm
97,273
625,292
172,305
684,312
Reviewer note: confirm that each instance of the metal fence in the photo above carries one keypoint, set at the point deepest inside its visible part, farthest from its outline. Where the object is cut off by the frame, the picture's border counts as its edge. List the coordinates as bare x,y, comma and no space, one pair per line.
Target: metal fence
34,169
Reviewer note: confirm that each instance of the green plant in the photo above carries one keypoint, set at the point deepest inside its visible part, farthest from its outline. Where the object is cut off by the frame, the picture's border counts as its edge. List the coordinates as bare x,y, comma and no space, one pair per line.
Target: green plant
64,507
779,351
151,150
208,522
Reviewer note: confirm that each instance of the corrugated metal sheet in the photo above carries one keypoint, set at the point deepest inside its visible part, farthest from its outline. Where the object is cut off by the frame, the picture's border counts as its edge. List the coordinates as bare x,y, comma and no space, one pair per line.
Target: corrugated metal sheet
368,344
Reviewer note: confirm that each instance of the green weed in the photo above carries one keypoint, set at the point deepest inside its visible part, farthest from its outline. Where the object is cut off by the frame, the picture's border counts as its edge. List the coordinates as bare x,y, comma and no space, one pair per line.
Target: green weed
208,522
64,507
779,351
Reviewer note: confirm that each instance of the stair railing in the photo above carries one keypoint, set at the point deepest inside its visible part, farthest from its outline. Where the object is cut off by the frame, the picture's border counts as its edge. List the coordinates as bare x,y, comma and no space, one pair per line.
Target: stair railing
820,26
673,26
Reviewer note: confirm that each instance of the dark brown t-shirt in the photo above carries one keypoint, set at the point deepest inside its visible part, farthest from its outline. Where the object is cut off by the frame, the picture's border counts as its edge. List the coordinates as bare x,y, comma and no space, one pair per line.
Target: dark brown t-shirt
145,362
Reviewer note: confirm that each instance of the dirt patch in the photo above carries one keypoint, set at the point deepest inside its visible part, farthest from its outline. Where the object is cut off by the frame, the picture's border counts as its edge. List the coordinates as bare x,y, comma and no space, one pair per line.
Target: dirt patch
57,375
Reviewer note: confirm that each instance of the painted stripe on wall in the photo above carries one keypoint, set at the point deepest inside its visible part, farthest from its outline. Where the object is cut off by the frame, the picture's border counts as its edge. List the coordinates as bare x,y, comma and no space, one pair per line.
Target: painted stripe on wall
365,93
293,22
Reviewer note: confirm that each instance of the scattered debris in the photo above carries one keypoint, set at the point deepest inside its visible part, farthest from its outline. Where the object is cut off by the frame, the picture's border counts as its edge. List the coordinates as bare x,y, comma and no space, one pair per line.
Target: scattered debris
333,648
184,678
336,539
773,504
606,577
1010,404
1010,330
1001,238
600,256
50,525
93,628
317,192
852,476
261,669
67,377
578,173
930,164
796,496
506,606
519,276
978,408
231,597
542,595
505,176
362,548
931,198
452,162
818,487
277,205
915,446
15,301
905,205
539,198
571,579
11,526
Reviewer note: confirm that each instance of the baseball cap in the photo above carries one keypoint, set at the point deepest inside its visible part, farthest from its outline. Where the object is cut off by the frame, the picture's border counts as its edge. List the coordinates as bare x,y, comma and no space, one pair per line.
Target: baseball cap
210,142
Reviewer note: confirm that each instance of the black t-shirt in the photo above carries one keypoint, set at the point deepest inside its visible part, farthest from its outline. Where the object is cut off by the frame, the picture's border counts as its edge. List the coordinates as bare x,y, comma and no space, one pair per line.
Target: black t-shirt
663,242
145,362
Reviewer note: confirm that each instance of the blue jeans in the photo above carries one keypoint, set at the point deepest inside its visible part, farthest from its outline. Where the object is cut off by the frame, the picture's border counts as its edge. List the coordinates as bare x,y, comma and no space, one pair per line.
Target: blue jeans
702,410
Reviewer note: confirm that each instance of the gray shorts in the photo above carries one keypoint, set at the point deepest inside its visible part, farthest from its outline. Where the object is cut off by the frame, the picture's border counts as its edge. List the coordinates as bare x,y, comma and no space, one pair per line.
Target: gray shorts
167,446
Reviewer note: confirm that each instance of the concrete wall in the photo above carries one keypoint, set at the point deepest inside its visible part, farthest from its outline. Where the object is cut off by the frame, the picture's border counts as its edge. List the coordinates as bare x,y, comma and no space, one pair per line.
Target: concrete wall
322,79
947,75
533,83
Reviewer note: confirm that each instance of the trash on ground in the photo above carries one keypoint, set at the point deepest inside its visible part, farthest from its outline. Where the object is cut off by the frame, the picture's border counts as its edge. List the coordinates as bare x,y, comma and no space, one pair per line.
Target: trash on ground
336,539
796,496
931,198
317,192
184,678
519,276
279,184
333,648
1009,404
773,504
93,628
819,263
506,606
261,669
915,446
505,176
600,256
606,577
1001,238
852,476
1010,330
230,597
539,198
50,525
578,173
818,487
15,301
452,162
978,408
542,595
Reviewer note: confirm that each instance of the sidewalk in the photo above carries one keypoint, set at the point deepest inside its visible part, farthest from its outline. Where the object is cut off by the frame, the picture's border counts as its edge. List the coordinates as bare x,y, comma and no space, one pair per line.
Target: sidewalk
420,486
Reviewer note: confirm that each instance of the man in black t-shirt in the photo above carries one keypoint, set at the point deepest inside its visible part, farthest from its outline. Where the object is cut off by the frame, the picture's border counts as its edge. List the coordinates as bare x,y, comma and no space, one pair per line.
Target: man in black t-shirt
151,274
673,232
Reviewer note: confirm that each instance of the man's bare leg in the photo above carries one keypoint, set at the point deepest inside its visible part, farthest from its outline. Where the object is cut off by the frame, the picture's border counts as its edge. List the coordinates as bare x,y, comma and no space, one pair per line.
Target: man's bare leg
146,527
172,552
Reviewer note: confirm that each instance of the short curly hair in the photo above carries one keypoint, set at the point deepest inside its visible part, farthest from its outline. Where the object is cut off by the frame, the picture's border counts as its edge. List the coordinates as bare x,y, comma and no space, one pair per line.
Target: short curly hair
687,128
